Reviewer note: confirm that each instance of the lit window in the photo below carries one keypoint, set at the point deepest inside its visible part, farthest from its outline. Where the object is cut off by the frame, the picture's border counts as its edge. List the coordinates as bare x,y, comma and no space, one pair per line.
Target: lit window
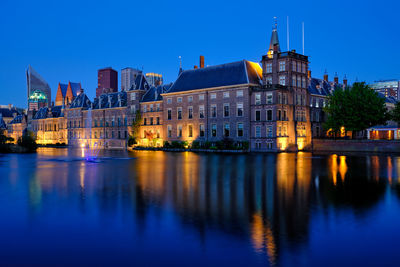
269,98
190,99
213,96
239,93
282,80
226,94
282,66
258,99
201,97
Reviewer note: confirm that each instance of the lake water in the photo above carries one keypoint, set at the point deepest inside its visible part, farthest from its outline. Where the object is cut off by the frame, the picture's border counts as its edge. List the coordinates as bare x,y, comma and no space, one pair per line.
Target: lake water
155,208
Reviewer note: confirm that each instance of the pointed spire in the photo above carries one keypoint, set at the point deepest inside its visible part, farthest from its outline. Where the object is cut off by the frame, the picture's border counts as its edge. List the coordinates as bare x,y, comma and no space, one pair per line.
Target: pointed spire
180,65
274,43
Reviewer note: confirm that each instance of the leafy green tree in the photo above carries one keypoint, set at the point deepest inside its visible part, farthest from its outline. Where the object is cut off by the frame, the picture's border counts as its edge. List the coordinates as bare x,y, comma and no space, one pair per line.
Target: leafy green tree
4,139
133,139
395,113
356,108
28,141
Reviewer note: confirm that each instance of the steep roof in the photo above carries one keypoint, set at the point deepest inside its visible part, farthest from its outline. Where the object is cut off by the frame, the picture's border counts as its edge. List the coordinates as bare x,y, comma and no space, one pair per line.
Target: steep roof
320,87
75,88
45,112
112,100
17,119
154,93
81,101
63,88
9,113
235,73
140,83
274,40
3,125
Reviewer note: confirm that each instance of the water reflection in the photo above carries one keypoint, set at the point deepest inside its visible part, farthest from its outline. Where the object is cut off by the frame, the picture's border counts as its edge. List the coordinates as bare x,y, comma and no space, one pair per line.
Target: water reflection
267,201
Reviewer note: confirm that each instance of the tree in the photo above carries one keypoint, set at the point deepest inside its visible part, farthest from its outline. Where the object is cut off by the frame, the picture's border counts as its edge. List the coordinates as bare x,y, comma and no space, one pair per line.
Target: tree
4,139
136,128
395,114
27,141
356,108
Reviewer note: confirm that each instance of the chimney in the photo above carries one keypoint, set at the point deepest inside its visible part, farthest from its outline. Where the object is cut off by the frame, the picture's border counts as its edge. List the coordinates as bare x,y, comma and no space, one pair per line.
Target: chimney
345,81
326,76
9,106
201,62
336,79
309,74
81,91
195,66
276,48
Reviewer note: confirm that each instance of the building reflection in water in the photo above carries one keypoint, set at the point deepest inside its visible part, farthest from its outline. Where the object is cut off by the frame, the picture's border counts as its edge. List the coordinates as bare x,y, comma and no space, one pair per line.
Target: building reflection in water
266,198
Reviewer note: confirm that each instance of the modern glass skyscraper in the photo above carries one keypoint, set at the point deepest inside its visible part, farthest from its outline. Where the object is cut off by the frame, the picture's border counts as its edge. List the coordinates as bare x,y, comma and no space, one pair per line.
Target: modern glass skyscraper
39,92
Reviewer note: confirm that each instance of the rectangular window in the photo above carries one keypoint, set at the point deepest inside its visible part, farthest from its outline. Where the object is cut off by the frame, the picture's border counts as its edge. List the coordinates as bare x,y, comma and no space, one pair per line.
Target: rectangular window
284,115
190,112
179,130
179,113
190,99
144,108
258,115
144,121
202,131
179,100
169,114
298,81
269,67
169,101
303,81
240,129
279,115
239,93
226,110
239,109
158,120
226,94
169,130
258,131
284,96
269,80
158,107
282,80
269,98
214,111
294,81
151,121
214,130
279,98
201,112
269,115
282,66
226,130
257,99
151,108
269,131
190,130
201,97
133,96
213,96
294,65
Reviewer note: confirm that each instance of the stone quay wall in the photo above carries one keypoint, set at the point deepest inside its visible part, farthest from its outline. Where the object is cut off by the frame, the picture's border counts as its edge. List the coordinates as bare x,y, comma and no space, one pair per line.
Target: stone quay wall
381,146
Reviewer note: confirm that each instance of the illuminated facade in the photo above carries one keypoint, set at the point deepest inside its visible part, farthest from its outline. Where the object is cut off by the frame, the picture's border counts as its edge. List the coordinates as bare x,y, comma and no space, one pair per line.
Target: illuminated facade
389,88
39,92
49,126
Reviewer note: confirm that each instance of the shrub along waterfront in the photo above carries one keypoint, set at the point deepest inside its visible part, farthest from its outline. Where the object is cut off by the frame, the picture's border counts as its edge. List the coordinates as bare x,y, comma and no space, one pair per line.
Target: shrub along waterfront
25,144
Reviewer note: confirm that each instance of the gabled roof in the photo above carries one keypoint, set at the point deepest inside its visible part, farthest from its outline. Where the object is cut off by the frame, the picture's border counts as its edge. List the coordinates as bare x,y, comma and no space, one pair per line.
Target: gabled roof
45,112
17,119
154,93
75,88
41,113
112,100
3,125
63,88
140,83
81,101
240,72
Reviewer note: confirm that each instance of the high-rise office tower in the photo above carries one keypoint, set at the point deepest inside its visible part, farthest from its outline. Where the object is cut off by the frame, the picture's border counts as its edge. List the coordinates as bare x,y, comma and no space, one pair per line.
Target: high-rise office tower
39,92
107,81
128,76
154,79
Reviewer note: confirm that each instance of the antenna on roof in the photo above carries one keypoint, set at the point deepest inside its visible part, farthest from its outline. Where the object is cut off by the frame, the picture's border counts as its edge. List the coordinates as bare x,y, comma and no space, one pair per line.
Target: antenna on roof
180,62
288,47
302,24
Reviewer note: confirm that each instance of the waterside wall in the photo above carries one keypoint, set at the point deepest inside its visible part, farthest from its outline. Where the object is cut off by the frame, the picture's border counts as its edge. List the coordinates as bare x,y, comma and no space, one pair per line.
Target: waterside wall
382,146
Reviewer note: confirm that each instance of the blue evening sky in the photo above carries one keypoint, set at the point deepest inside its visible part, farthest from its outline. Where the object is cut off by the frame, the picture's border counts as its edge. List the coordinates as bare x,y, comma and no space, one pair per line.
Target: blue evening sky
69,40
